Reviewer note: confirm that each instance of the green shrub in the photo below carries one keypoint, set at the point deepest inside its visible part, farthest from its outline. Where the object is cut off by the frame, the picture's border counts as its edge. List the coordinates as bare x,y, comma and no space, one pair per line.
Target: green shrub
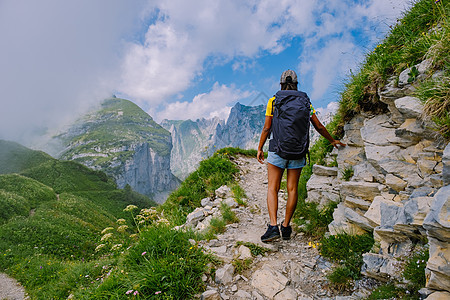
347,173
228,215
241,265
387,291
346,250
162,264
239,194
212,173
342,246
414,271
33,191
312,221
12,205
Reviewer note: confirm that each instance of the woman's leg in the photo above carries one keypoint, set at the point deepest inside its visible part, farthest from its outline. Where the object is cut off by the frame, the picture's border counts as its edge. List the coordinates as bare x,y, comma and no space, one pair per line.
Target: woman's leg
274,175
293,176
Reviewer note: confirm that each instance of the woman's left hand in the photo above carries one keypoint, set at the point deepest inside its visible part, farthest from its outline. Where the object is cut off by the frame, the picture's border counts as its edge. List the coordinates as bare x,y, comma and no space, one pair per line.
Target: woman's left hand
337,143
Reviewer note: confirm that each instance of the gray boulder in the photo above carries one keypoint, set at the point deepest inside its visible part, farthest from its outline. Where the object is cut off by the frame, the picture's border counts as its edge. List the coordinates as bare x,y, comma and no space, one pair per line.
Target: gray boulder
363,190
437,222
381,267
438,265
410,107
324,171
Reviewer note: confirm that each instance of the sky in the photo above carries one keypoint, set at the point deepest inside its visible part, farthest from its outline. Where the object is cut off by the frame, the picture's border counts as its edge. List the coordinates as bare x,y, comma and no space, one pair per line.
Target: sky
177,59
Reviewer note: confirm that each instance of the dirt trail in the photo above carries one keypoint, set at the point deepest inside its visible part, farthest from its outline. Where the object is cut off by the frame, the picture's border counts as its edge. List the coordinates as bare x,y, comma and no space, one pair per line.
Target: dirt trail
10,289
297,259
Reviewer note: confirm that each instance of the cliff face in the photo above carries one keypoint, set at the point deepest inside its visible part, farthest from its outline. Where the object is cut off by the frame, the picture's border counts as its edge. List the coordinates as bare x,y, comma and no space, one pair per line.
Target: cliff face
194,140
400,187
124,142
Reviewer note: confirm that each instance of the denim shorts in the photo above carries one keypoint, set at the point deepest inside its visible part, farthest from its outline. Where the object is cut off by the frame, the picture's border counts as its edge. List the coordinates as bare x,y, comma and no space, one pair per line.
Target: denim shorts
276,160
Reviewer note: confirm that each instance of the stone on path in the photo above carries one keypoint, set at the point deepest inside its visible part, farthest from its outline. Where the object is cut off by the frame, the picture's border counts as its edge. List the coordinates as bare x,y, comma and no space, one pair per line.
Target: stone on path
224,275
286,294
269,281
244,252
211,295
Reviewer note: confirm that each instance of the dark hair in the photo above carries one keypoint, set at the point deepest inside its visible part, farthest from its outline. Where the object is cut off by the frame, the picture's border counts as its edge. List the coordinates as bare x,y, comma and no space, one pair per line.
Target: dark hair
289,85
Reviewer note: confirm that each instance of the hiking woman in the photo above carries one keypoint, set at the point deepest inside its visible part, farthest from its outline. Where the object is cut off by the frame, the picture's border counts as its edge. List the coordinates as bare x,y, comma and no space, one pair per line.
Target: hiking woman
288,115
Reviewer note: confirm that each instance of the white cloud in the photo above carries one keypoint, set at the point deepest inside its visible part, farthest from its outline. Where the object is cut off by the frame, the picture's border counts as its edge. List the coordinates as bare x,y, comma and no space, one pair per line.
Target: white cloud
328,62
216,103
186,34
56,58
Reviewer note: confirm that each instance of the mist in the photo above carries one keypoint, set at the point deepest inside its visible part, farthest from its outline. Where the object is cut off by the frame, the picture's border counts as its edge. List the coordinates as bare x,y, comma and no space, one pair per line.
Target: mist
57,59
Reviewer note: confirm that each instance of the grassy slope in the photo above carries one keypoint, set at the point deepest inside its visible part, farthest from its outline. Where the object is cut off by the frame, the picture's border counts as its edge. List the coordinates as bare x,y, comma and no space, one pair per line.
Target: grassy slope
15,158
45,238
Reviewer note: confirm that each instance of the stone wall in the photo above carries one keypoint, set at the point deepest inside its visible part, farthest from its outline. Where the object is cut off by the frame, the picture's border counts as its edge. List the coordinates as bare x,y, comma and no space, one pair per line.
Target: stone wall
400,188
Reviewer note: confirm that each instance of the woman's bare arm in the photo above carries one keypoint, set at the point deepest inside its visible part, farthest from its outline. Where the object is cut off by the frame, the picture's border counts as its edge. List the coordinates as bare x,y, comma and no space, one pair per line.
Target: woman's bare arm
262,140
324,132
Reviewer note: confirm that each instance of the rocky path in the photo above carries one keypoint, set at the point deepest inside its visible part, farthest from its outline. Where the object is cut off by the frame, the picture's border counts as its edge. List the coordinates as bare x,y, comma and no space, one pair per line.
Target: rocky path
10,289
292,269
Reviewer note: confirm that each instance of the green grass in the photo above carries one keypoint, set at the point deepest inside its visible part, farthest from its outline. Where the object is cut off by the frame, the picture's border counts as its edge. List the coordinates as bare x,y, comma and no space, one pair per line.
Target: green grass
387,291
12,205
235,151
241,265
346,250
311,220
347,173
218,224
162,264
212,173
410,41
239,194
68,176
435,94
254,249
15,158
414,271
31,190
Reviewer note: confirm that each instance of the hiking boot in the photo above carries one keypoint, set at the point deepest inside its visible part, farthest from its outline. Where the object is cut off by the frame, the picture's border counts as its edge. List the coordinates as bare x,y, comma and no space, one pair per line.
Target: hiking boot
286,232
272,234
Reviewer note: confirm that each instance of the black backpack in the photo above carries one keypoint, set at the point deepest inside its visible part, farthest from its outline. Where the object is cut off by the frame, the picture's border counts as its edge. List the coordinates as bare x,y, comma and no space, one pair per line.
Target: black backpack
290,124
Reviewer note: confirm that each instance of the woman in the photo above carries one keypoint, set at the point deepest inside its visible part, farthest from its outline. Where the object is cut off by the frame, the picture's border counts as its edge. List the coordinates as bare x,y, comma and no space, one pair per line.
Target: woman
294,164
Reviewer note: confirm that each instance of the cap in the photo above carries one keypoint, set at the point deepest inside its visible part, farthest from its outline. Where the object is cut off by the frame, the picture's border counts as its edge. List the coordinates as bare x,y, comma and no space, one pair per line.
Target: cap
288,73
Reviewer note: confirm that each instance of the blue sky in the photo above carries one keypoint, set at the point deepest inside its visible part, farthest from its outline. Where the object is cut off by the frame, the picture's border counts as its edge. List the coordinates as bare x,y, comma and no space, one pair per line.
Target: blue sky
176,59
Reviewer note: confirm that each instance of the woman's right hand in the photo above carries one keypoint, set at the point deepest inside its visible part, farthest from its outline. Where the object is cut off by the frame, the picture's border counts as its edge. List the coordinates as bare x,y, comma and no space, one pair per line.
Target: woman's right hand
260,156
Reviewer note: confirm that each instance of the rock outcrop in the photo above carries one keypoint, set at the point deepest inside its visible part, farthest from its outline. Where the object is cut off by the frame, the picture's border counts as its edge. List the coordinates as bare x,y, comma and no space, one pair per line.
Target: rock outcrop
398,186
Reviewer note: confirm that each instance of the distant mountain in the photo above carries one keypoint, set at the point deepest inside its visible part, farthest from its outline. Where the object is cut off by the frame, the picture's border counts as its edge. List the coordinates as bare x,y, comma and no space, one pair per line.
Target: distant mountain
194,140
123,141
